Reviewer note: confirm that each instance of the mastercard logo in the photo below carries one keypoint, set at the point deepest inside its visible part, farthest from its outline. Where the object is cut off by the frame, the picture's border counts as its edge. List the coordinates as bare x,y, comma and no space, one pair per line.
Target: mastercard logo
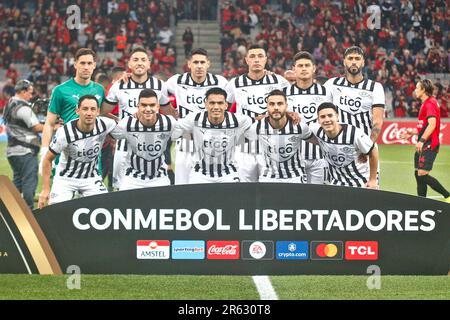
326,250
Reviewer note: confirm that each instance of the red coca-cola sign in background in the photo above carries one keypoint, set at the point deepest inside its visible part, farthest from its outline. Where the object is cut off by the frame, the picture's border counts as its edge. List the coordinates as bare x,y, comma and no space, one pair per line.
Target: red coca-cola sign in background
392,130
222,250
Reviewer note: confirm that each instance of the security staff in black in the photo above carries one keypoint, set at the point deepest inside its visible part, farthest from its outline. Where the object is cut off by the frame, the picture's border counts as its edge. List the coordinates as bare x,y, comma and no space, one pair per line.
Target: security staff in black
22,126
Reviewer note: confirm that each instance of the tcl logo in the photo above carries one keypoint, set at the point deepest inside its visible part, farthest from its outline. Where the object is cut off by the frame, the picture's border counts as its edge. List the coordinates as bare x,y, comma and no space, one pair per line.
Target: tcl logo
228,250
361,250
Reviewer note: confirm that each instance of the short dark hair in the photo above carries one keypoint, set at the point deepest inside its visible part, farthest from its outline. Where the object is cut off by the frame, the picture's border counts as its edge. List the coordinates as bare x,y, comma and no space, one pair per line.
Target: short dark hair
427,85
147,93
216,90
277,92
199,51
22,85
255,46
138,49
87,97
327,105
304,55
84,52
353,49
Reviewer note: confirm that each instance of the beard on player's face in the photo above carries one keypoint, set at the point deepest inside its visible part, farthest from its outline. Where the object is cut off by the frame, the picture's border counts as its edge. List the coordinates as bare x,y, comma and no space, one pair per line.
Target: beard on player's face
354,70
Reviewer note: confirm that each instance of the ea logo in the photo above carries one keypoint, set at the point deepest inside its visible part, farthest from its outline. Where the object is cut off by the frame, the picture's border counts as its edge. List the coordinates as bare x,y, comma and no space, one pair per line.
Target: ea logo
326,250
257,250
153,245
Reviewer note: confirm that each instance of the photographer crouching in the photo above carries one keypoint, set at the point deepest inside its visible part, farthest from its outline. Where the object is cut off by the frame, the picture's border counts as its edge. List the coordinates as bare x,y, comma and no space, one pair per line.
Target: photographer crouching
22,127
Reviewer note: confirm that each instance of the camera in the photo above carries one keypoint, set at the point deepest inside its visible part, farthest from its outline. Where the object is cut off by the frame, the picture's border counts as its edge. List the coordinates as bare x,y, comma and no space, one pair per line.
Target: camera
40,106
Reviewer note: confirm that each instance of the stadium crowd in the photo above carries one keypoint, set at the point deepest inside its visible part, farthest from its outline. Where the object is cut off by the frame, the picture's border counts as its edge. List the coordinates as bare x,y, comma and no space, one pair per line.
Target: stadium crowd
412,39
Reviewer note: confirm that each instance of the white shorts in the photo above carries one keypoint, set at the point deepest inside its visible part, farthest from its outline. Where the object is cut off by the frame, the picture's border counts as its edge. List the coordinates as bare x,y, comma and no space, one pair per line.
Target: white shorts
183,166
316,171
197,177
119,167
275,180
129,183
250,166
64,188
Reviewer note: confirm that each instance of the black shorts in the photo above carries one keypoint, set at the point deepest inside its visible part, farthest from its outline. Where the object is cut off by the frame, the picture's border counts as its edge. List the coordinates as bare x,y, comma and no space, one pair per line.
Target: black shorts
425,160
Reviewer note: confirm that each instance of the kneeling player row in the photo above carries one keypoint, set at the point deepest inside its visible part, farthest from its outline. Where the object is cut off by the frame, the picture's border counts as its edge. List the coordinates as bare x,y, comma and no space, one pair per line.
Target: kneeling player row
216,134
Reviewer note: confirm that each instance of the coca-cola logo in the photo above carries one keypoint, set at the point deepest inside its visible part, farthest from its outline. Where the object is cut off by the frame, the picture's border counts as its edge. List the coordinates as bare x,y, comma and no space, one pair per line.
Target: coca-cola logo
392,134
223,249
393,131
227,250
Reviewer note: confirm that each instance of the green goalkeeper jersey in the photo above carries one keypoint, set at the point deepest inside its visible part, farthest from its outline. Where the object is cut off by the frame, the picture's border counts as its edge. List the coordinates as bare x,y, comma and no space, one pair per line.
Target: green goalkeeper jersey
65,96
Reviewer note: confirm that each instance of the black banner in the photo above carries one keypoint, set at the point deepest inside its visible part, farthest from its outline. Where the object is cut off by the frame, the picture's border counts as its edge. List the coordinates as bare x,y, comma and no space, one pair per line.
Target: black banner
250,229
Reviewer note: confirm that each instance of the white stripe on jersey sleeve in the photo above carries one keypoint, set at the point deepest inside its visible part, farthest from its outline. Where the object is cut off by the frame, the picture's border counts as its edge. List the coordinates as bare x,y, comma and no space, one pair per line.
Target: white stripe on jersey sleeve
378,95
187,123
59,140
230,88
113,93
363,142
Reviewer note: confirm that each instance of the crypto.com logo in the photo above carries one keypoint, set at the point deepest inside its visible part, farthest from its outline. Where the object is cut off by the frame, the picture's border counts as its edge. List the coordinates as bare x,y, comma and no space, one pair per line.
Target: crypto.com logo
73,17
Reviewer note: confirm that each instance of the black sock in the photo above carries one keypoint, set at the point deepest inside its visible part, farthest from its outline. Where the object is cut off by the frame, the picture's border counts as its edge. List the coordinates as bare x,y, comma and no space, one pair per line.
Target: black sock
436,185
421,185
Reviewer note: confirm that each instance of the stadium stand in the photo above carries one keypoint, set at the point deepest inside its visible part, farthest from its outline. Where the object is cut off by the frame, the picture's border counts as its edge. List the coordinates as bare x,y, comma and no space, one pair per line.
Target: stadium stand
412,39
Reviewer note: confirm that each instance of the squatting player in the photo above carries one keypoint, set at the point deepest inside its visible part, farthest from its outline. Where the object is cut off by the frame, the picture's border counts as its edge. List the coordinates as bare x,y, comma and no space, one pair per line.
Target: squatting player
146,133
79,142
342,145
216,134
280,140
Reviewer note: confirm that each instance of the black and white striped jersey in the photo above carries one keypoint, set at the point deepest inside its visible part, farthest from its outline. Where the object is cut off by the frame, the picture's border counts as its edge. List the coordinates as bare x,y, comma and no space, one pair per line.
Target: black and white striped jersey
80,150
355,101
281,148
215,144
127,96
190,96
251,98
342,154
145,158
305,102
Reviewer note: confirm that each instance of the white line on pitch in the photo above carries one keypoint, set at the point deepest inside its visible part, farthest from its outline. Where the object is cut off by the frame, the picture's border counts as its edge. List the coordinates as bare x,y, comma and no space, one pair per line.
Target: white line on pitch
264,287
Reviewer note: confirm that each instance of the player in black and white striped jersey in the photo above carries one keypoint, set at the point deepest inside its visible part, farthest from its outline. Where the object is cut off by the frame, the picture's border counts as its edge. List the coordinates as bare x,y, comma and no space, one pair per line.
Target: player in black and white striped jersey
342,145
189,90
79,142
280,140
304,96
146,133
126,95
216,133
249,91
361,101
